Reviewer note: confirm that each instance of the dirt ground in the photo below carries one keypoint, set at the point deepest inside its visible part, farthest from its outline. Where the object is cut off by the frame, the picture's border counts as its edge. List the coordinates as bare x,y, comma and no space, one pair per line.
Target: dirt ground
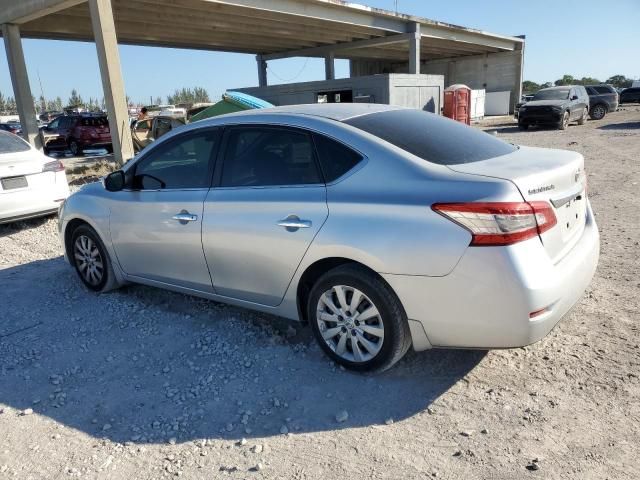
144,384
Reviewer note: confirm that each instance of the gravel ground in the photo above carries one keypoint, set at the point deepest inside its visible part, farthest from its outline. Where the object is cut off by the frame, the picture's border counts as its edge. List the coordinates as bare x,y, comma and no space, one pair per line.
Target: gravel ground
143,383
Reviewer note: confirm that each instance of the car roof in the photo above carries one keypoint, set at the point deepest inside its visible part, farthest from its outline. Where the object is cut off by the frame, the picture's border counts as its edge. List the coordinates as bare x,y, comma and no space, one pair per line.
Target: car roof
333,111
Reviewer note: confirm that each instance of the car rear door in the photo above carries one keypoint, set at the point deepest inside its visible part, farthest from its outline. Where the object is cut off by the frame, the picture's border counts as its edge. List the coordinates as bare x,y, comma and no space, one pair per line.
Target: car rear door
156,223
267,205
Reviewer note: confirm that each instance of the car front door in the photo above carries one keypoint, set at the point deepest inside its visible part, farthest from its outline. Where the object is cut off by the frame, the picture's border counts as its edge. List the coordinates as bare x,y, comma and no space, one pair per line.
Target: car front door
156,222
267,204
575,110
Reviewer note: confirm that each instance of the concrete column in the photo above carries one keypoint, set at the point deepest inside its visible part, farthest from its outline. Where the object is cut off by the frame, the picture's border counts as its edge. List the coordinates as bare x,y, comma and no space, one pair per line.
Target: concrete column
20,82
414,49
329,67
262,71
104,33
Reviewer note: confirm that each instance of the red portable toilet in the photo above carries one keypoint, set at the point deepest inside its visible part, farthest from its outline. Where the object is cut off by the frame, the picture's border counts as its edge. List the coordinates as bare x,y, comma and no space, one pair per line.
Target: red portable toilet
457,103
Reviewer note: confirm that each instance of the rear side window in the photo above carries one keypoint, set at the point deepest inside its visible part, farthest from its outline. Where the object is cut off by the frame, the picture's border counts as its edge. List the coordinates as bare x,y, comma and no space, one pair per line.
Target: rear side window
603,89
335,158
94,122
432,137
258,156
10,143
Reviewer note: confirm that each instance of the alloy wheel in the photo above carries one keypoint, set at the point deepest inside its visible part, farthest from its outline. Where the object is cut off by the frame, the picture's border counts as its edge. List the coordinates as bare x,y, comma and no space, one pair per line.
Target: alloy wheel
350,324
88,260
598,112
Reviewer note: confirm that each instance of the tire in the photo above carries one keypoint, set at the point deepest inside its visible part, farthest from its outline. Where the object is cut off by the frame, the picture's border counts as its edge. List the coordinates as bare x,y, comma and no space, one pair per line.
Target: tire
75,147
598,112
583,119
387,337
564,123
86,246
523,126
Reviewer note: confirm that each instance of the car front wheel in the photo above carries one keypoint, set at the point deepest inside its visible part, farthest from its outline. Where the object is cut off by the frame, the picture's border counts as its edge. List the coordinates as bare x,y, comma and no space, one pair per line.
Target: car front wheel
75,148
564,123
358,320
91,260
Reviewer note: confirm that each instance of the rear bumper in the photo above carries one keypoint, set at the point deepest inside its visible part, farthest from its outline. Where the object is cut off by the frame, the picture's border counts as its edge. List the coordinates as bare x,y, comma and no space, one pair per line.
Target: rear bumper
486,300
38,200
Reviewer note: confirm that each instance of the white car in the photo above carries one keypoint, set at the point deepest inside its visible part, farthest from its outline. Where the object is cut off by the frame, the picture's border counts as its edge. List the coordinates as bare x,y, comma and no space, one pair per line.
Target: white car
31,184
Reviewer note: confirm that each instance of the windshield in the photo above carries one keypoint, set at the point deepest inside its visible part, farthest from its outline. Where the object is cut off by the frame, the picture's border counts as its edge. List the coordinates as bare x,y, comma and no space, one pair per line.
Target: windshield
10,143
431,137
553,94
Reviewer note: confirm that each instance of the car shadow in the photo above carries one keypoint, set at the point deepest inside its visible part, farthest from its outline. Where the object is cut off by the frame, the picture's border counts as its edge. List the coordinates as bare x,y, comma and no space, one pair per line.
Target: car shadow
148,366
621,126
12,228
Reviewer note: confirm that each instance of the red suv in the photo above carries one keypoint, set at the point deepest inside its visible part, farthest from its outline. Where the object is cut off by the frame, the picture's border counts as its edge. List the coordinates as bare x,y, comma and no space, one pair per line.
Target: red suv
77,133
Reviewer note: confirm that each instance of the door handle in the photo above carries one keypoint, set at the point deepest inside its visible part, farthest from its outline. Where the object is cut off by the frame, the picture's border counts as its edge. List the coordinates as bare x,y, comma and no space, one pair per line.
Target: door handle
185,217
293,223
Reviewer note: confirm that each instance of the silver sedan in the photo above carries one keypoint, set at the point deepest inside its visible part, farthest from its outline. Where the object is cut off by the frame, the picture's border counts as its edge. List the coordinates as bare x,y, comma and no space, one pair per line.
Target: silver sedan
383,228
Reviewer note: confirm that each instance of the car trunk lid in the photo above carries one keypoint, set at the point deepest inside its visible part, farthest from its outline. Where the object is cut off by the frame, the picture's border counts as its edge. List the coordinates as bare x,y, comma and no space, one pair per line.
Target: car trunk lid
554,176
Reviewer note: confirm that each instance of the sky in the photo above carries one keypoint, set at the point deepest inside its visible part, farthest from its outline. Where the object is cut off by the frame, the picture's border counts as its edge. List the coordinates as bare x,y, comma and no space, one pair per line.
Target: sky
582,38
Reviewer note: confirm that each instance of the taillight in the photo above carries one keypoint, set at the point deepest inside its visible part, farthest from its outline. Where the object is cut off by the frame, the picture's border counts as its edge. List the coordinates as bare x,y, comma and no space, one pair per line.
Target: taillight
499,223
55,166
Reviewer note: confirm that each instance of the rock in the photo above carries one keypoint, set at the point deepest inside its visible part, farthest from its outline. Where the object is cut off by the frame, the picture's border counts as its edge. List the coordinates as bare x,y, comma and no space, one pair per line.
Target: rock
342,416
27,411
484,431
172,441
467,433
242,442
533,467
257,468
388,421
284,430
256,448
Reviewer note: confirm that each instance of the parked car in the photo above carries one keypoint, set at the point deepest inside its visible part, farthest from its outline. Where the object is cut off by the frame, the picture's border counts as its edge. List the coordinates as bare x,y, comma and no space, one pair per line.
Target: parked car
31,185
630,95
602,100
148,130
556,106
77,133
382,227
11,127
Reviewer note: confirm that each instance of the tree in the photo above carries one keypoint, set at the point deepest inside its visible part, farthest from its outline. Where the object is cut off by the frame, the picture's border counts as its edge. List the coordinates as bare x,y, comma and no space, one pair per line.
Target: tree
187,95
619,81
75,100
530,87
588,81
10,106
158,101
3,103
546,85
565,80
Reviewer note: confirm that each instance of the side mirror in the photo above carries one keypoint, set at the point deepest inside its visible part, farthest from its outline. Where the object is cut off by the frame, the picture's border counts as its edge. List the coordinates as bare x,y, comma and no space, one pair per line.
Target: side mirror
575,97
114,182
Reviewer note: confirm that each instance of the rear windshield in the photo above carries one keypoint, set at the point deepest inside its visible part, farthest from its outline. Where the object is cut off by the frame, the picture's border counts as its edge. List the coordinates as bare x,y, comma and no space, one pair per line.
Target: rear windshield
10,143
432,137
94,122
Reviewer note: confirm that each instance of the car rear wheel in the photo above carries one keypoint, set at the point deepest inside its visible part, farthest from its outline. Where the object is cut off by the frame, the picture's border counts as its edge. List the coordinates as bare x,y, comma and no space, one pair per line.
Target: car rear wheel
564,123
583,118
75,147
598,112
91,261
358,320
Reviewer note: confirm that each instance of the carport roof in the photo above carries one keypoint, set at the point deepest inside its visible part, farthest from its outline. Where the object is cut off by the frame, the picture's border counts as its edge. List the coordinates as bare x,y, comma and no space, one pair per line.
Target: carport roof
273,28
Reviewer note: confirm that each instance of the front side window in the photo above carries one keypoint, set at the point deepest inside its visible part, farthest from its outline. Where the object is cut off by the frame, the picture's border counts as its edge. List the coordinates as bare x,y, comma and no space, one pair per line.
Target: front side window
183,162
55,124
267,156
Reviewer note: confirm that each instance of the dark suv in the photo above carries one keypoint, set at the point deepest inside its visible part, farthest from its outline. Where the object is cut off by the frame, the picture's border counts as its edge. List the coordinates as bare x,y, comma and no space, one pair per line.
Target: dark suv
556,106
630,95
602,100
77,133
